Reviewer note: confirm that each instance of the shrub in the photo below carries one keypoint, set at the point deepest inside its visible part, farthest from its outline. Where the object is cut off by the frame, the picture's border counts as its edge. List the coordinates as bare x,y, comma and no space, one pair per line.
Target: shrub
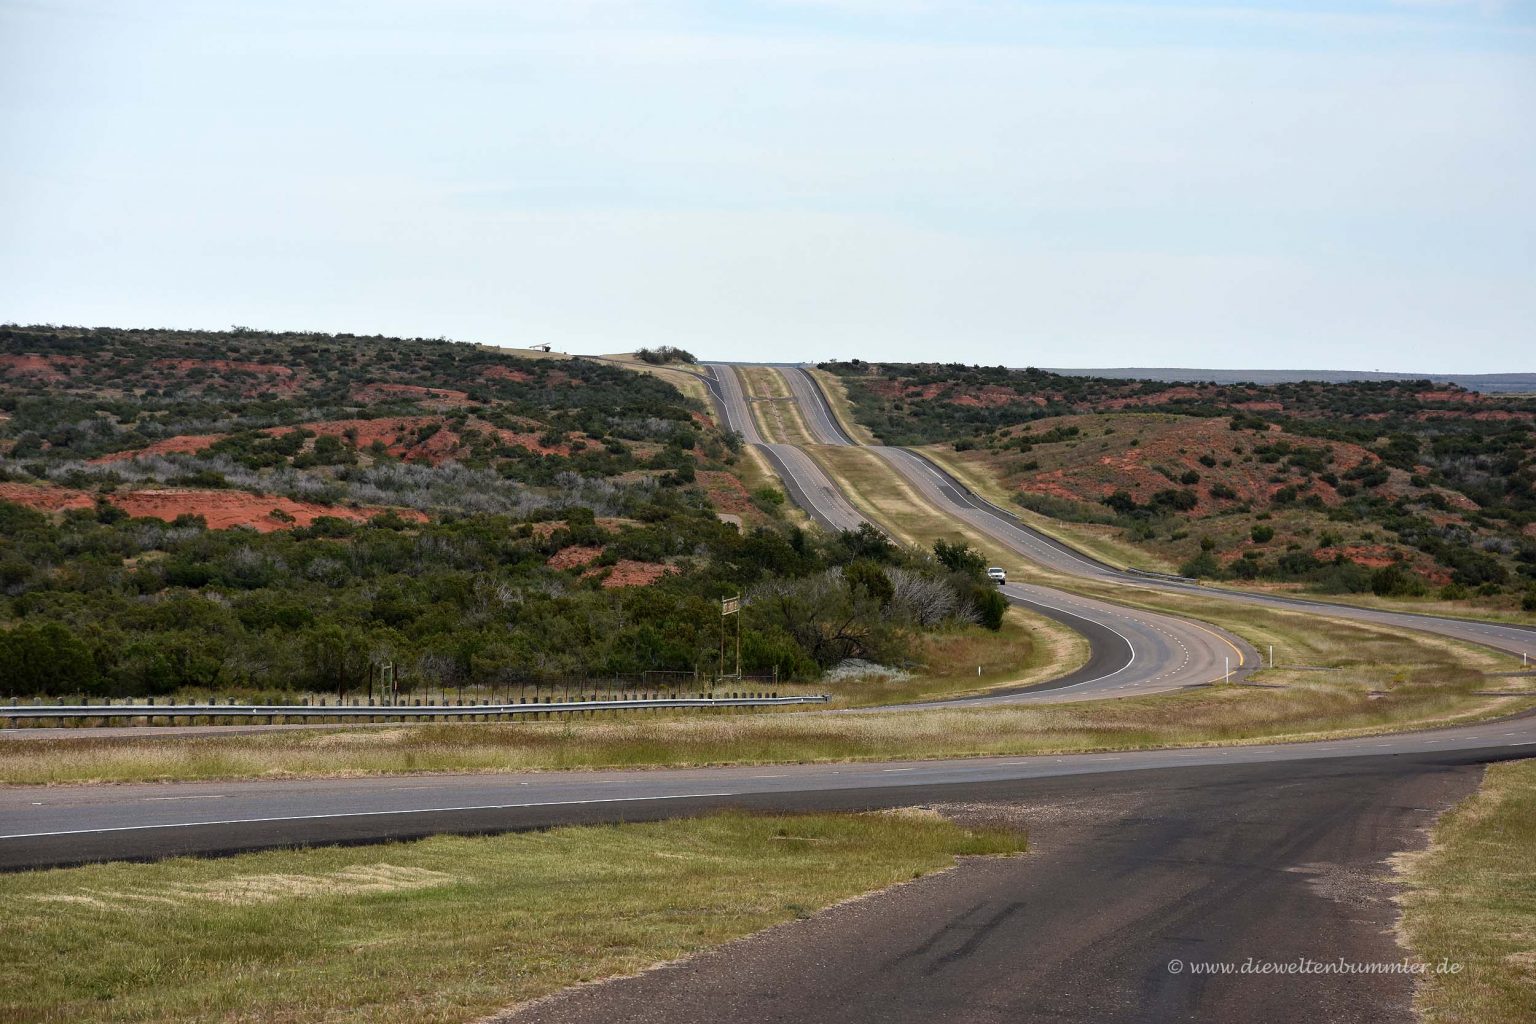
991,606
1202,566
1262,534
663,354
1395,581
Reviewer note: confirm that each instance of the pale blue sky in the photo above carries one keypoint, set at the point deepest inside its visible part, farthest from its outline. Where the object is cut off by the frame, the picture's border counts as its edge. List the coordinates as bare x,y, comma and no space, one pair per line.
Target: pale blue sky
1320,185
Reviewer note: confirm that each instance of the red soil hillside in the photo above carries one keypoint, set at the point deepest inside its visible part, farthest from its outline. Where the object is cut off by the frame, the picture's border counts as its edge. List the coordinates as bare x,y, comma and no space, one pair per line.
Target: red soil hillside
221,509
402,437
430,396
186,444
574,556
273,377
44,368
629,573
1144,454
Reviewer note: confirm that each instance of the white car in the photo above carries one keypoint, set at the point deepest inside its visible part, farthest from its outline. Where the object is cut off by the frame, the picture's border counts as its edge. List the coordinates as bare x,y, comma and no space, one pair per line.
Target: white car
997,575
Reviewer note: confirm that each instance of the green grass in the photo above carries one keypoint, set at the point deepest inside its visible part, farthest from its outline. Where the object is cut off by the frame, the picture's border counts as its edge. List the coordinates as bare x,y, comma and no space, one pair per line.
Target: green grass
441,930
1471,900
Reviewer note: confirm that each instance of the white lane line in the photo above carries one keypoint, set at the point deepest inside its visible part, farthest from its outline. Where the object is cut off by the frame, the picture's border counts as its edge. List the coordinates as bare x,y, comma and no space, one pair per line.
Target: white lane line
357,814
210,796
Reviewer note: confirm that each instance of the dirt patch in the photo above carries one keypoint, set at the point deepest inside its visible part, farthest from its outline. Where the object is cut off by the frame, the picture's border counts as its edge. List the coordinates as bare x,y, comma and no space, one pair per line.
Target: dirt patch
530,441
611,524
1372,556
726,493
220,509
39,367
434,396
278,378
185,444
224,509
574,556
507,373
991,396
629,573
44,498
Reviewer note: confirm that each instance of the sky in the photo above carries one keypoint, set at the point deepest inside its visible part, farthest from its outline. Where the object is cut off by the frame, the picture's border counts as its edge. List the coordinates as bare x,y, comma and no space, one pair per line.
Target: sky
1294,184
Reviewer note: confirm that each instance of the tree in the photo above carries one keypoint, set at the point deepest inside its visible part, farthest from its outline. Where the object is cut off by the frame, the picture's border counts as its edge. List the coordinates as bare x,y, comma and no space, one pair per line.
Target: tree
44,659
959,557
335,656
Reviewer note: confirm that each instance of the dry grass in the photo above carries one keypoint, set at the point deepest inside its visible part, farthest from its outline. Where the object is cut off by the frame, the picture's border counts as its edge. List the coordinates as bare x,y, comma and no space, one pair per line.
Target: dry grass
837,397
882,495
1028,649
442,930
778,416
1358,699
1102,542
689,382
1471,900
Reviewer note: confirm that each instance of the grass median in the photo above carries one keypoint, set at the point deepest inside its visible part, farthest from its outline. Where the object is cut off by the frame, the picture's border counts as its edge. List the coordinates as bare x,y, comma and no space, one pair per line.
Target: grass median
779,418
1471,900
445,929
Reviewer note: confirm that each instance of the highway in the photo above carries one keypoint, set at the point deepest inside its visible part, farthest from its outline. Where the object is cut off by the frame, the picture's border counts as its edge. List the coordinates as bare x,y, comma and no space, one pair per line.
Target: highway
1138,859
948,493
1132,652
47,826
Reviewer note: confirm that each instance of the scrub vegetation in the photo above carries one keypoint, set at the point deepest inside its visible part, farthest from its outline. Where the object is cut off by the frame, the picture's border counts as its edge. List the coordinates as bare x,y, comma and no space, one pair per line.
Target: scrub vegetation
251,514
1396,490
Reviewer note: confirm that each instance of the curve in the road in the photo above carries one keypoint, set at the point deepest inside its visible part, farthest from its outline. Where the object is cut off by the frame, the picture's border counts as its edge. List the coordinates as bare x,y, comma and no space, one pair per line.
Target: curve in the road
1132,652
938,483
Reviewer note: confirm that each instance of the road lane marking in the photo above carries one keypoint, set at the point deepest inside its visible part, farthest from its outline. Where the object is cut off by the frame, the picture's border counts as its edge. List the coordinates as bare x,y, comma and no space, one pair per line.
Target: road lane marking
358,814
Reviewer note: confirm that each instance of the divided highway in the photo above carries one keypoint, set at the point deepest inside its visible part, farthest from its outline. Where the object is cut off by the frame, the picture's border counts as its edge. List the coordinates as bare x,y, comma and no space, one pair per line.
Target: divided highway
1132,651
948,493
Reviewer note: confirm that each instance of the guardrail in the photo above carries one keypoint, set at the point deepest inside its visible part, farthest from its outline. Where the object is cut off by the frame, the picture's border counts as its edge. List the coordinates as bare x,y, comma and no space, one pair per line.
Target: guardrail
32,712
1174,577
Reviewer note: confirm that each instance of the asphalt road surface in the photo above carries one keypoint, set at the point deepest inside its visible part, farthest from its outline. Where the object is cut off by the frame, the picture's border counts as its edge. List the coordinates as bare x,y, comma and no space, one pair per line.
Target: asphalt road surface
948,493
51,826
1127,874
1132,652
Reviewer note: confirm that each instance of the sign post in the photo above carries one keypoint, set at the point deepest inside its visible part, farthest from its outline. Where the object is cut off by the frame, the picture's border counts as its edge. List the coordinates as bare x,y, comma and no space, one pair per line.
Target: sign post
730,606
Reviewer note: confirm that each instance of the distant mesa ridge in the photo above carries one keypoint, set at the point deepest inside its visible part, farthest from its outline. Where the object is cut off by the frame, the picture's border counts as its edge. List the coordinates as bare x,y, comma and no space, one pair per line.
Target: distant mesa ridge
1484,382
